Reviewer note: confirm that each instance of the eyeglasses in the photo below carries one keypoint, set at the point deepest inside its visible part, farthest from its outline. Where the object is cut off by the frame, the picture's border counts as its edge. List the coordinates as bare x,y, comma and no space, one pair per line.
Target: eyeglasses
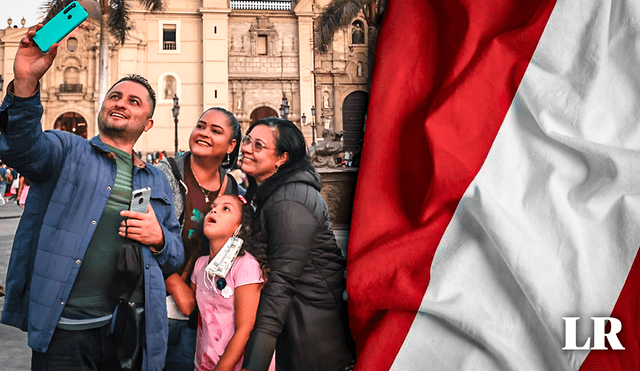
257,146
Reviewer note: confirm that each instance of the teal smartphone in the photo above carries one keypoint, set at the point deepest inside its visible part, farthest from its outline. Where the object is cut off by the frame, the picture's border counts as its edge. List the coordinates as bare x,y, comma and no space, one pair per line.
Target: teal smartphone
60,26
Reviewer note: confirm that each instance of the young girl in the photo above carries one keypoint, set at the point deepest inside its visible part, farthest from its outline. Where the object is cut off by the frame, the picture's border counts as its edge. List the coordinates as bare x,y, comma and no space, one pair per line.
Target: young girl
227,305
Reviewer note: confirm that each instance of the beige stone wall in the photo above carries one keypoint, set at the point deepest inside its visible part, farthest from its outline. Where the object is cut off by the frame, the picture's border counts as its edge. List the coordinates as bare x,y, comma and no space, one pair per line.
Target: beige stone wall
215,64
260,80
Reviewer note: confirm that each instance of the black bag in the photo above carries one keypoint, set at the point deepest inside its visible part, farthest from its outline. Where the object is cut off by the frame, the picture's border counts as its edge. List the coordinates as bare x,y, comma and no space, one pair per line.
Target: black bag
127,328
127,323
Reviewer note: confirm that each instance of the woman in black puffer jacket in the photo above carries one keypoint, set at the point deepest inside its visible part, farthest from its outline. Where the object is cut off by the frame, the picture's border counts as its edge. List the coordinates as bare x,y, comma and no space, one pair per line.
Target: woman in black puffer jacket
301,313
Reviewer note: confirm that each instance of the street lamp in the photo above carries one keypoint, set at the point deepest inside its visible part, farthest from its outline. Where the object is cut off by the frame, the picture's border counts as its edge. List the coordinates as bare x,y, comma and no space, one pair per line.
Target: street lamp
313,125
284,107
176,111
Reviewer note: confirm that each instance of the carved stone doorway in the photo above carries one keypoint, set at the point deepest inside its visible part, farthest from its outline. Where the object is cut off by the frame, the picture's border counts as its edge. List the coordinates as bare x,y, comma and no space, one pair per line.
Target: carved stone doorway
262,112
354,110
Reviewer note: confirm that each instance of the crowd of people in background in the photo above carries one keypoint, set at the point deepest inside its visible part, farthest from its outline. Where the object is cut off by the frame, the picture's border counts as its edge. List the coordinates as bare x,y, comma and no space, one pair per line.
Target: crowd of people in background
13,186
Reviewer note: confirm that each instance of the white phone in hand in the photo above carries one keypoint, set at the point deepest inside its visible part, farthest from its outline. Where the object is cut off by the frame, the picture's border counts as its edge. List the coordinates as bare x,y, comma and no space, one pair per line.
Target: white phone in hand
140,200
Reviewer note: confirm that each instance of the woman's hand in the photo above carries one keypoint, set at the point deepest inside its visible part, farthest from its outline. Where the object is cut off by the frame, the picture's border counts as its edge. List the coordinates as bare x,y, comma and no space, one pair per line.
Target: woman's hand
143,228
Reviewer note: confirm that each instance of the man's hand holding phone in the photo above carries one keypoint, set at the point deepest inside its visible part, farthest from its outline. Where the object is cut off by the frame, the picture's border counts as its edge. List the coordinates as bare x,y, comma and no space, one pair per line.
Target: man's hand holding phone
39,47
142,227
31,64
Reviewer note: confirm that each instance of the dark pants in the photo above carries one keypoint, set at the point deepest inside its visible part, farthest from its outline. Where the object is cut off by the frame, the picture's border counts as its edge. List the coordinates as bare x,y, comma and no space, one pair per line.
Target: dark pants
181,349
78,350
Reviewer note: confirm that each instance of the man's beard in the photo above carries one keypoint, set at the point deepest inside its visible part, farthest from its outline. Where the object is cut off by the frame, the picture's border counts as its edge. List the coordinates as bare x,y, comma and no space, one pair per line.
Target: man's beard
121,132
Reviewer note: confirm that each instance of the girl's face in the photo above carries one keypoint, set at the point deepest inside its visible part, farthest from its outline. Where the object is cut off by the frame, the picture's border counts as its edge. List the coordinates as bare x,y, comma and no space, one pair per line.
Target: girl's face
212,136
259,154
224,218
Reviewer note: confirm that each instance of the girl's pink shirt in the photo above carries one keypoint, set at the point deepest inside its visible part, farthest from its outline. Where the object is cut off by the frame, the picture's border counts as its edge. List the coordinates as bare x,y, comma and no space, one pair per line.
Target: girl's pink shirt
216,323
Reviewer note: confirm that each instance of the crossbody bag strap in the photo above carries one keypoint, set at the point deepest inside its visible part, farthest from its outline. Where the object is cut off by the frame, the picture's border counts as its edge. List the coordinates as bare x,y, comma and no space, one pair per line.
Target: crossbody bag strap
176,174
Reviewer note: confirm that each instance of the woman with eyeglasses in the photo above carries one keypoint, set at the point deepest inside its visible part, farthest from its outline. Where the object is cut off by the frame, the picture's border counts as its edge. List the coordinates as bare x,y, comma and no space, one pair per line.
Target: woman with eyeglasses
301,310
197,177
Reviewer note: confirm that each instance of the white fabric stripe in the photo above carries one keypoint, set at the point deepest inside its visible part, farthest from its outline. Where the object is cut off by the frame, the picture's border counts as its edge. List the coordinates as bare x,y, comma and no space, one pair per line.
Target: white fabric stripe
78,322
550,226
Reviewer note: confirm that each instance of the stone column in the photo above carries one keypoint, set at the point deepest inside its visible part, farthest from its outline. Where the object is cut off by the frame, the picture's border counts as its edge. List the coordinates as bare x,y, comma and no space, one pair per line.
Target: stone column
215,52
304,11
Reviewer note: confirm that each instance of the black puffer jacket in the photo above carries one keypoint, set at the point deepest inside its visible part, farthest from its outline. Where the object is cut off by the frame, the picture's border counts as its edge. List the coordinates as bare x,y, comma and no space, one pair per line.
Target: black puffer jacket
301,306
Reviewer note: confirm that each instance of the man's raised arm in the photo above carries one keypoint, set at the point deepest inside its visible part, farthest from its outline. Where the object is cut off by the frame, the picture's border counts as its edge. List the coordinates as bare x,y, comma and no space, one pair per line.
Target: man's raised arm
31,64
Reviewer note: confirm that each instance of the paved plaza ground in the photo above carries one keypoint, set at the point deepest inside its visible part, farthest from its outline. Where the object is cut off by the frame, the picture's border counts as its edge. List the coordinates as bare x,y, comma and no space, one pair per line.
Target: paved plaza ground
15,355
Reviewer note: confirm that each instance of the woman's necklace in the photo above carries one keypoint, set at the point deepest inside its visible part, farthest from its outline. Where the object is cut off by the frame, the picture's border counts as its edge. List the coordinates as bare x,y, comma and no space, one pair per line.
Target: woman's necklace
204,191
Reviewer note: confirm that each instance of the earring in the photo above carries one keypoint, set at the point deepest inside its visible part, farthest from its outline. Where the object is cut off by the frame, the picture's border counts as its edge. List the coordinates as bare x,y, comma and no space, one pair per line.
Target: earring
226,160
276,170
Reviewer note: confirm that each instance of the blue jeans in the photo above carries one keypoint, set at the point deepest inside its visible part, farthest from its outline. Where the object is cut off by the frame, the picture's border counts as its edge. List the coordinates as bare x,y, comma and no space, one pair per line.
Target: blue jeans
85,350
181,349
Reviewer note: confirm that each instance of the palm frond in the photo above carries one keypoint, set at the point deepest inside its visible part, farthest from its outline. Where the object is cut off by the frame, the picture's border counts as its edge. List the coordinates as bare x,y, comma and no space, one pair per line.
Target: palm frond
373,12
119,20
337,14
153,5
52,7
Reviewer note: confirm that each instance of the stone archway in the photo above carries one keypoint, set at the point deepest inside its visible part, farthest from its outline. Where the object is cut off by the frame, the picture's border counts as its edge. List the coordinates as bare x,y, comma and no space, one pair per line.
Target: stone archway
73,123
260,113
354,110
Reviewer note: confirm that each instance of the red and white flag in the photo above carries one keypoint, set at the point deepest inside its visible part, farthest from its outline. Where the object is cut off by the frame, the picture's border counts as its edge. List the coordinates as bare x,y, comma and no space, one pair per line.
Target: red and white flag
499,189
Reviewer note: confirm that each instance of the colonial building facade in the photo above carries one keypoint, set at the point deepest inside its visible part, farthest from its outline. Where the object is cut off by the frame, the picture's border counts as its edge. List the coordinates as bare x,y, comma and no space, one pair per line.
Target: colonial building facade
246,56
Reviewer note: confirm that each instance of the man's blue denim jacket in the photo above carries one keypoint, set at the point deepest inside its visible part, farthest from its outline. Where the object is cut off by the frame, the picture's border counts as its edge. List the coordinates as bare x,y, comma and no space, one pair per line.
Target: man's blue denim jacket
71,179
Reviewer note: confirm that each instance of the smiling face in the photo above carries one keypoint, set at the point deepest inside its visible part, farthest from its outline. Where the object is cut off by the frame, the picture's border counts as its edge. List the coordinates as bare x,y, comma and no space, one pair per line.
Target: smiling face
224,218
263,163
125,112
212,137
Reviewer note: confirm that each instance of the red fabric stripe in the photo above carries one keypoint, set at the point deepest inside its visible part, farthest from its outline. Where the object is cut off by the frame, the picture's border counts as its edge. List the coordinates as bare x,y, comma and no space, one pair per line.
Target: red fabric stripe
626,310
445,75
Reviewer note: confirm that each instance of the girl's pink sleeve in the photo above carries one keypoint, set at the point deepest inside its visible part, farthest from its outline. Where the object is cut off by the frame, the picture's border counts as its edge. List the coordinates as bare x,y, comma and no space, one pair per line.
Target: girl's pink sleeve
198,268
247,271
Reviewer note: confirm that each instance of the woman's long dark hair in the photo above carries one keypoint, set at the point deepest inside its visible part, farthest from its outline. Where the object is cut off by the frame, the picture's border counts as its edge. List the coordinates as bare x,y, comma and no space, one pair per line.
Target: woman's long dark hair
236,134
289,139
255,239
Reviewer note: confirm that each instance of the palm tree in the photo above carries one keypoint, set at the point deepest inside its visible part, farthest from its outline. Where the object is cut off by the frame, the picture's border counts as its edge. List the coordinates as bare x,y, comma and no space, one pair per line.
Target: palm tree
340,13
115,21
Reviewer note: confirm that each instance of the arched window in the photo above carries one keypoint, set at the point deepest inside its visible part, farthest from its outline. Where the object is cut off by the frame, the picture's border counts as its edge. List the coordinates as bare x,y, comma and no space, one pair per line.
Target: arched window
71,81
354,110
170,87
72,75
357,33
73,123
262,112
72,44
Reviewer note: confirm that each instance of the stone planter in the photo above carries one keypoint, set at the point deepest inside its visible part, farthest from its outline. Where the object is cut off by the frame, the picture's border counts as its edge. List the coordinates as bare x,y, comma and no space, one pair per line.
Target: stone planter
338,190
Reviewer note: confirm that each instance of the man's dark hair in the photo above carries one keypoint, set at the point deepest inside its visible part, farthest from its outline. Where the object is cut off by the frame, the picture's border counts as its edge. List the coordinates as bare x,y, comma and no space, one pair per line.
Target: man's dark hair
142,81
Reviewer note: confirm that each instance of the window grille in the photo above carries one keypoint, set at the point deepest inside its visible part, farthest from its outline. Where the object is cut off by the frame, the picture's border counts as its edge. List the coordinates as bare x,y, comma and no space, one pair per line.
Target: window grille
260,5
70,88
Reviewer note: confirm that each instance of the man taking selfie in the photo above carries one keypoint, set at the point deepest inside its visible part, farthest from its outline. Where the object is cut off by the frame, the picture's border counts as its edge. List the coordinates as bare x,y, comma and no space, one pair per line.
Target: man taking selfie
74,253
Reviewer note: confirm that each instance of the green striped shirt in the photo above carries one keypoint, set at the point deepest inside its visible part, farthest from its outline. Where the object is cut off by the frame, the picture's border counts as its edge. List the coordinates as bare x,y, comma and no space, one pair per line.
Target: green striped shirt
92,299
